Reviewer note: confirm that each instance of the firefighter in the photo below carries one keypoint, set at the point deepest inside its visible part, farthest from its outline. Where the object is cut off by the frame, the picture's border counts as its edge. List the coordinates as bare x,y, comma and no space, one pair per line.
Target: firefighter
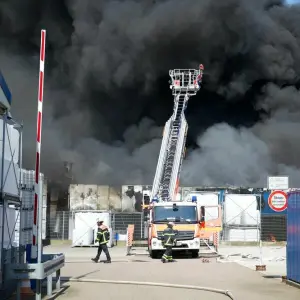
103,236
199,77
169,239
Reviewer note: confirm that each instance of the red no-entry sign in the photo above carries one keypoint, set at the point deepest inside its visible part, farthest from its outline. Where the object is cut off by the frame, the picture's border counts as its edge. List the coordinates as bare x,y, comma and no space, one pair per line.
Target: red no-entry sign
278,201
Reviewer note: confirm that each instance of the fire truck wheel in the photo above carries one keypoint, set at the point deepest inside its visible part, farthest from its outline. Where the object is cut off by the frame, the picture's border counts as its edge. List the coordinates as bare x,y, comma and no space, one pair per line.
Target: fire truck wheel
195,253
154,254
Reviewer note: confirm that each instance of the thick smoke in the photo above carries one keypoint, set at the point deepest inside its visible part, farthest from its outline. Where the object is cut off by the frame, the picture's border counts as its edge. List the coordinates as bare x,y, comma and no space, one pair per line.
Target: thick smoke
107,95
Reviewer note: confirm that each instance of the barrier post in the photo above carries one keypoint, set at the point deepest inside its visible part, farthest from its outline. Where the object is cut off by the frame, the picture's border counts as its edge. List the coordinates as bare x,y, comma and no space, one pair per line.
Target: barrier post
216,240
260,266
129,241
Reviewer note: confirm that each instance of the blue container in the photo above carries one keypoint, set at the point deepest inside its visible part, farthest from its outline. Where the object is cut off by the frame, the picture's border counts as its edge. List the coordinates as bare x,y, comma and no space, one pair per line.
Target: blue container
266,209
293,237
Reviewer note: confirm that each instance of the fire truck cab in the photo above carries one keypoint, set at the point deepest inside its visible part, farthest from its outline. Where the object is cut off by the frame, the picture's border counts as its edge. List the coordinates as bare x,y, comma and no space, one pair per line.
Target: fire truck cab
185,216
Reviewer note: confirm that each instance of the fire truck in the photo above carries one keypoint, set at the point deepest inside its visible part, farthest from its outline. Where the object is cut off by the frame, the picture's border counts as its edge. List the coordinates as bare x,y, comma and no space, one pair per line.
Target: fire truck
164,205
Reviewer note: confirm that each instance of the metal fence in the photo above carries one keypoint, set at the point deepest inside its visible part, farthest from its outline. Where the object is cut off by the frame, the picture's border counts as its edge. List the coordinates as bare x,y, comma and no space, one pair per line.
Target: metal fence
241,218
273,228
122,220
61,226
244,220
58,226
247,224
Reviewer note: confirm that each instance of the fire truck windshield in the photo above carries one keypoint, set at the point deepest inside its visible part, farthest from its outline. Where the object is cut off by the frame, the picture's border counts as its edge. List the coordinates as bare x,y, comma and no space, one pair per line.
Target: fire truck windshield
178,214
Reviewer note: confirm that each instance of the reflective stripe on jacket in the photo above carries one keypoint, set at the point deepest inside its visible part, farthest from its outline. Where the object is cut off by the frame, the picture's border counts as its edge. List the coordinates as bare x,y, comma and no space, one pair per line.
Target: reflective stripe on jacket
169,236
103,235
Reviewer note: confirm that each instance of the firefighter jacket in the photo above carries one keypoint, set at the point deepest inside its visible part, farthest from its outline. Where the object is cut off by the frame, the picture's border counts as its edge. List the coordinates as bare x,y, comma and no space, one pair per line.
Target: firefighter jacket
103,235
169,237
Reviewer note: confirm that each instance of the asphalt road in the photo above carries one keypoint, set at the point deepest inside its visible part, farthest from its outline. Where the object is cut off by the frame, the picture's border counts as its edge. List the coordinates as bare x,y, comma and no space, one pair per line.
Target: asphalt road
243,282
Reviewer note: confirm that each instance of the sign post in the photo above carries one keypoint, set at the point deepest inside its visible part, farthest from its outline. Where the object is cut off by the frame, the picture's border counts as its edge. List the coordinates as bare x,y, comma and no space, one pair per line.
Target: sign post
261,266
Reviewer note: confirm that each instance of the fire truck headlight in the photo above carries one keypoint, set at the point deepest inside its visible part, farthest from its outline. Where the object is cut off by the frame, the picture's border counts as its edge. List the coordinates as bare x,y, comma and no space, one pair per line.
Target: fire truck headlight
155,242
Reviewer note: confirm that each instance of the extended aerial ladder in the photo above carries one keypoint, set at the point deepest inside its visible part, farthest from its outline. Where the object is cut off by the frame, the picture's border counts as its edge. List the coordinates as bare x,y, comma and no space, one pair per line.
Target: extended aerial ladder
184,83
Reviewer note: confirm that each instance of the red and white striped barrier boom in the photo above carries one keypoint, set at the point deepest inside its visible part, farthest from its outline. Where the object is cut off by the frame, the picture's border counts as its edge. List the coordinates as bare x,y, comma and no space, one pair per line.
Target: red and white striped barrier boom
37,189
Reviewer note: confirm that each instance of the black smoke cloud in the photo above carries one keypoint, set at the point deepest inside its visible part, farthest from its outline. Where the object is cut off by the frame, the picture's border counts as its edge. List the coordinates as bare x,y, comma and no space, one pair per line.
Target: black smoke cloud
107,96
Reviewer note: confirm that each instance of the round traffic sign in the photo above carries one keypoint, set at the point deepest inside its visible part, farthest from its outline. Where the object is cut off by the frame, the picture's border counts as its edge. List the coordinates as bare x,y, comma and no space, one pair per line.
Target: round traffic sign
278,201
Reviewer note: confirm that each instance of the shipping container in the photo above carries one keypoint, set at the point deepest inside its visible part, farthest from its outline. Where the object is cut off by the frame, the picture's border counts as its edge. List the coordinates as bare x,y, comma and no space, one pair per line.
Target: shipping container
85,227
293,237
186,191
203,198
94,197
206,199
132,197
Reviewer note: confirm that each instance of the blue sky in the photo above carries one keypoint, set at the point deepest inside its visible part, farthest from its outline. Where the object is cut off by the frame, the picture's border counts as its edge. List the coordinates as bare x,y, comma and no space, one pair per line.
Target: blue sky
292,1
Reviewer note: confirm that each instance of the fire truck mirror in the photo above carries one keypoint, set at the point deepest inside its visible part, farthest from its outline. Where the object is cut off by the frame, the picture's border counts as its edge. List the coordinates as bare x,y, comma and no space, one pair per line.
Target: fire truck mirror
146,200
175,207
202,214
